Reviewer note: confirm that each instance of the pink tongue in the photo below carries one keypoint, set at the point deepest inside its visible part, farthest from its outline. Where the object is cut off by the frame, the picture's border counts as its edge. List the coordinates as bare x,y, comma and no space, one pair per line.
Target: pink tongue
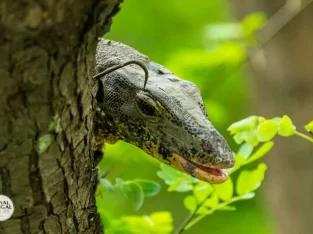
213,171
209,170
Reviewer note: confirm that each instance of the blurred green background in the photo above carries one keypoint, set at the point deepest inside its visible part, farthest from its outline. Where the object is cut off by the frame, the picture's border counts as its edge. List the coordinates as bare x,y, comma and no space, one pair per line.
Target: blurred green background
198,43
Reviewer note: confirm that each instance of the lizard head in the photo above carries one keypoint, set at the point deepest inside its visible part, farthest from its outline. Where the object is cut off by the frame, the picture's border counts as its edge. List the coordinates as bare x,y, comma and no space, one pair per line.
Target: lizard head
167,119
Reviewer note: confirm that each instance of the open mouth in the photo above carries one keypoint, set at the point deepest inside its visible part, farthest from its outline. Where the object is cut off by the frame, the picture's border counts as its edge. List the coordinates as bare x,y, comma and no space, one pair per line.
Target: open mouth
207,174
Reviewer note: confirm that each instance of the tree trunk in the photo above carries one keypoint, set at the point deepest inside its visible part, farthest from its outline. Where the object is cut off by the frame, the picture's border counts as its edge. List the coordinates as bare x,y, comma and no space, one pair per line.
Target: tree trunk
285,87
46,117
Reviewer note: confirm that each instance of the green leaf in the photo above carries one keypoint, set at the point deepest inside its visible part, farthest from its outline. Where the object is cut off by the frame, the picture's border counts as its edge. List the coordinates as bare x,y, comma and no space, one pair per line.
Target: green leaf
107,184
277,120
267,130
239,161
156,223
202,190
225,190
309,126
120,184
286,127
240,137
202,210
245,150
168,174
248,196
132,225
182,184
252,23
261,119
135,194
249,181
243,125
263,150
213,201
223,31
251,138
162,222
190,203
149,188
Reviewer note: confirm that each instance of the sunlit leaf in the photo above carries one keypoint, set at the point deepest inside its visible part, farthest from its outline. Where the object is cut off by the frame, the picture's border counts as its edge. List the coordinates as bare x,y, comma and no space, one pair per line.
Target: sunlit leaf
261,119
277,120
157,223
213,201
252,23
239,161
162,222
240,137
133,225
245,150
226,31
309,126
267,130
243,125
286,127
190,203
248,196
182,184
202,210
262,151
202,190
225,190
249,181
149,188
230,53
251,138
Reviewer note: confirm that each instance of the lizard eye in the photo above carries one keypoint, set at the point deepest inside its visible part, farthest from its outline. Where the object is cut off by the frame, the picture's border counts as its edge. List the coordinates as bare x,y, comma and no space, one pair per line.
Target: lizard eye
146,108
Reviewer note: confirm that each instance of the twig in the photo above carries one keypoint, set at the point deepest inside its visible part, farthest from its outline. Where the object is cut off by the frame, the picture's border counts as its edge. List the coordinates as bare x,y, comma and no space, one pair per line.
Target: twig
281,18
190,216
273,26
181,227
197,219
304,136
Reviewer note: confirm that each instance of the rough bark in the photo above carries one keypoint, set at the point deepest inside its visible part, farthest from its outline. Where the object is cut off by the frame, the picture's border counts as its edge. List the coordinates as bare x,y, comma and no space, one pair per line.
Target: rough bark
46,118
285,87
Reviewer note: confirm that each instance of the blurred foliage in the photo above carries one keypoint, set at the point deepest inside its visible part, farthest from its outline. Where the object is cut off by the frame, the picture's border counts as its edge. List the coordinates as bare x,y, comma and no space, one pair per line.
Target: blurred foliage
155,223
203,44
256,129
203,199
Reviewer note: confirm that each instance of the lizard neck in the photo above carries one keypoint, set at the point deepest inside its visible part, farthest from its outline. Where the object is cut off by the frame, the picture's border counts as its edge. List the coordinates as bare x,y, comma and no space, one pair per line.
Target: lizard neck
104,129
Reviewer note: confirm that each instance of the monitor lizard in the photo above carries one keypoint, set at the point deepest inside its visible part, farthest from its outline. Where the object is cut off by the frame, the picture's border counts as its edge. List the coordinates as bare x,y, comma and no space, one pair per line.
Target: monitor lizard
165,116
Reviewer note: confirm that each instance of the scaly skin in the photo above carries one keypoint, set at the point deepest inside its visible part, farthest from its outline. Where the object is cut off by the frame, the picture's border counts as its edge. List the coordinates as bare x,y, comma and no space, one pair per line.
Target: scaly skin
167,119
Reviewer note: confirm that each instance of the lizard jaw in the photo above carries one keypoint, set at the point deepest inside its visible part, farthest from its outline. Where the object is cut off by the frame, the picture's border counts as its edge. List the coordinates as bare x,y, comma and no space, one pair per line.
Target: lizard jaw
208,174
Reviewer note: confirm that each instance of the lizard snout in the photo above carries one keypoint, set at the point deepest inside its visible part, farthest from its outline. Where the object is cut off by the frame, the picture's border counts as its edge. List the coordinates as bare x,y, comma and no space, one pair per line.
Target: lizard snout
218,152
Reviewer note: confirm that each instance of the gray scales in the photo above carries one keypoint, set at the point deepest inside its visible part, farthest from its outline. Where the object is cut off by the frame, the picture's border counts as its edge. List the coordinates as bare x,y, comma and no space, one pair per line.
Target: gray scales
166,119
